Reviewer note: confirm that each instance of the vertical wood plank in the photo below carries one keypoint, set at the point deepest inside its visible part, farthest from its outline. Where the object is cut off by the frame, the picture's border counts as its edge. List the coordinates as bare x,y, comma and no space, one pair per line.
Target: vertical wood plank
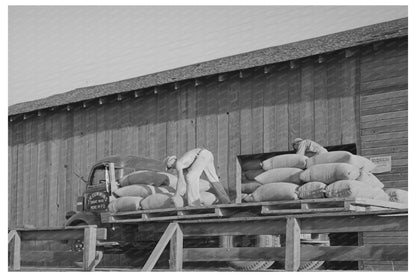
294,104
334,105
257,111
212,118
62,169
69,175
245,114
348,107
78,185
151,126
176,250
222,154
54,144
26,171
10,175
90,242
201,114
172,128
161,127
191,117
292,247
116,135
282,110
269,113
307,128
14,176
237,180
321,104
42,179
33,172
233,134
101,131
182,114
20,171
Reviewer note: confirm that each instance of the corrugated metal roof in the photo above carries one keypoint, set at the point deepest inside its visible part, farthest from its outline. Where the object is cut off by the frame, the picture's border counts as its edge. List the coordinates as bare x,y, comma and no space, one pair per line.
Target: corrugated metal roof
328,43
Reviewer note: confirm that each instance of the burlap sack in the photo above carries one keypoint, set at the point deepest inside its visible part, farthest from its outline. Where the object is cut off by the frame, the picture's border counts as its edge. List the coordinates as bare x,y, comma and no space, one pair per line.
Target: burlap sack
312,190
158,201
285,161
341,157
172,178
274,191
352,189
208,199
290,175
251,164
370,179
329,173
125,204
397,195
144,177
253,173
249,187
142,190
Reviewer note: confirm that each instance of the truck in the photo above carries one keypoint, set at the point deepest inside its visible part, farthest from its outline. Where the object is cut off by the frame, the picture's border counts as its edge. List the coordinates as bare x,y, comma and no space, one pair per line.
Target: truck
137,243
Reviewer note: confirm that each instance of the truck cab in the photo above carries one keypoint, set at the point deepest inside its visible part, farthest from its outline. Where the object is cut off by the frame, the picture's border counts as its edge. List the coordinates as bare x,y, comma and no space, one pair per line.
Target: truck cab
102,181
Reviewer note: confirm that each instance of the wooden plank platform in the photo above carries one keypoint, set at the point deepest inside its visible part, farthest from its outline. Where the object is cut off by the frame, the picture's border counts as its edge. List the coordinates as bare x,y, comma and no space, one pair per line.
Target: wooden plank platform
324,205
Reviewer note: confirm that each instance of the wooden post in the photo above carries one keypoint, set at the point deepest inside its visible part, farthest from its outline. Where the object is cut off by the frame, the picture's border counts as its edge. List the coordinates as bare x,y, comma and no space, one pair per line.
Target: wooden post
237,180
164,240
14,238
292,256
90,243
176,250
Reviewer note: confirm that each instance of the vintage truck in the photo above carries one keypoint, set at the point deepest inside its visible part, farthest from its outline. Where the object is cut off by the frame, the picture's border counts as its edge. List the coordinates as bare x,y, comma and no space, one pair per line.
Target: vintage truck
136,242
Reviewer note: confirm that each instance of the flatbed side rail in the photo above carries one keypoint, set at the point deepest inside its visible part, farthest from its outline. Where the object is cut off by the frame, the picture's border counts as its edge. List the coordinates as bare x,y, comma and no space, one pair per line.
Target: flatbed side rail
290,225
89,233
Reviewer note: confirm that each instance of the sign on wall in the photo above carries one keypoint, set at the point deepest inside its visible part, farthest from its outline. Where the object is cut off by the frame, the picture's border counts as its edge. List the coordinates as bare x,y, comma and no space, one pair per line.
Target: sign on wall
383,164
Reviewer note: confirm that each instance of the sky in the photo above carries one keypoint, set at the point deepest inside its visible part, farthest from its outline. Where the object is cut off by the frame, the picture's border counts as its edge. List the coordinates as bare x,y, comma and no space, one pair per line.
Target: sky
53,49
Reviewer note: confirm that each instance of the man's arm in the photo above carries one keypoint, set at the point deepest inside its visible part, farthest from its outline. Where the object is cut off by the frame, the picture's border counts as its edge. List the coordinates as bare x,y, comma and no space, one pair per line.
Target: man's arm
302,148
181,184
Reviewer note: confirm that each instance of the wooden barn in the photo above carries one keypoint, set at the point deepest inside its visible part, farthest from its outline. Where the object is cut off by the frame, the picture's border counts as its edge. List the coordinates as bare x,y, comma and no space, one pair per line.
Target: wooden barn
342,88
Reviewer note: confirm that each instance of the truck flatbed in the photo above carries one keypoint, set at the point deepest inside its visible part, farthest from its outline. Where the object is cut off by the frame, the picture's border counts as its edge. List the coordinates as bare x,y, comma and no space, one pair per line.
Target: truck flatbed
307,206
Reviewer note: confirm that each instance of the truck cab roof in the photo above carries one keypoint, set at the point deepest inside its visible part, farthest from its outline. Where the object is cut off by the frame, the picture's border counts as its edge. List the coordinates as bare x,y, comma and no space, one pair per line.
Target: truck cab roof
133,162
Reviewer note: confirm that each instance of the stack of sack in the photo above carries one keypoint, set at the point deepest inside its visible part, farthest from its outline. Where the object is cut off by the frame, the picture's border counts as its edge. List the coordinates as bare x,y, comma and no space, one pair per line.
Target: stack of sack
150,190
337,174
279,180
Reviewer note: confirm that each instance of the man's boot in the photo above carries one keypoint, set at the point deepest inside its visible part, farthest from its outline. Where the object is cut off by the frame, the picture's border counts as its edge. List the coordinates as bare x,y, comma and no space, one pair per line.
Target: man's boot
220,192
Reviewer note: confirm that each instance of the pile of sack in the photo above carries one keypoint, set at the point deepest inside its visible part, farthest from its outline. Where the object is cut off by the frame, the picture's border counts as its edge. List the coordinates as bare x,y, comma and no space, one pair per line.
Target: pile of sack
150,190
336,174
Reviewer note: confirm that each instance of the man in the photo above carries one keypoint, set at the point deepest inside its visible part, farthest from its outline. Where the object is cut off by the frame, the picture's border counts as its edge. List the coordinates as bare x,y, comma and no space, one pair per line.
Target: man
307,147
190,167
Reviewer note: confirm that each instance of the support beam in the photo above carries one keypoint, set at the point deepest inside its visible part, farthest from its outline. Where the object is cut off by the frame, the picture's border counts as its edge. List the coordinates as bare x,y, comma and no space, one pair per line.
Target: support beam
15,251
292,256
176,250
90,244
164,240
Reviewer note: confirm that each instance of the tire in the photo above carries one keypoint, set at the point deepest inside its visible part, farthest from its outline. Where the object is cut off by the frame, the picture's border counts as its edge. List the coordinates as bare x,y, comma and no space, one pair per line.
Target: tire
259,241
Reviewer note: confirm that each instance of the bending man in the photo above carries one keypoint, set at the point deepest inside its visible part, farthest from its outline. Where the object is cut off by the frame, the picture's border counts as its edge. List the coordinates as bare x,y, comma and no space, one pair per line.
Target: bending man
190,167
307,147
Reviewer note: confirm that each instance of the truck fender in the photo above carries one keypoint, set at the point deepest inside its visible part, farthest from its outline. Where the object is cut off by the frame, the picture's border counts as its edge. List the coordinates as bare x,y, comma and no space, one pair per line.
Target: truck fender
86,218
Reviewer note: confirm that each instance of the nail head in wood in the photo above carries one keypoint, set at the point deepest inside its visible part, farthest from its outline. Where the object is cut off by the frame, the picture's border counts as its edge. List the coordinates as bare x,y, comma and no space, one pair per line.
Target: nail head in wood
100,101
292,64
197,82
155,90
221,78
266,70
84,105
136,94
241,74
119,97
320,59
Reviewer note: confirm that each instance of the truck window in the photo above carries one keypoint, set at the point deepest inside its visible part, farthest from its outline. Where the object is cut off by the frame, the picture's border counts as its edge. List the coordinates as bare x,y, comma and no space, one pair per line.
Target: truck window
99,177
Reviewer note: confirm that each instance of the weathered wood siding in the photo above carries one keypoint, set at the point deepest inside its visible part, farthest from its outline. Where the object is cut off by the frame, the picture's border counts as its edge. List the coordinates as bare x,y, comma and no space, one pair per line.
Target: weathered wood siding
384,126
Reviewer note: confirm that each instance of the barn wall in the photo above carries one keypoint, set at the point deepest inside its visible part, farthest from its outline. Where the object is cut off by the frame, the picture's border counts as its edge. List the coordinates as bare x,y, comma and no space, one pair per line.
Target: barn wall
360,99
383,127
